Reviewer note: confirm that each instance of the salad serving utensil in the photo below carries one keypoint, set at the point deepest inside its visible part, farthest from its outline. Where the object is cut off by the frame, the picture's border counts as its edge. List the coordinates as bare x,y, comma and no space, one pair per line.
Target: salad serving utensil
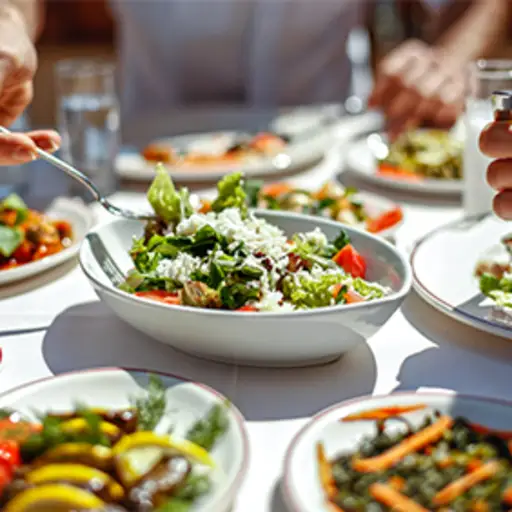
87,183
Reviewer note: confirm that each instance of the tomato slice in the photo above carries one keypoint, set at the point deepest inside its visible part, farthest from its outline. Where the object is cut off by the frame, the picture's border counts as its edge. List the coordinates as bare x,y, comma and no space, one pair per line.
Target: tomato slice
351,261
247,309
10,454
385,220
160,296
390,171
5,474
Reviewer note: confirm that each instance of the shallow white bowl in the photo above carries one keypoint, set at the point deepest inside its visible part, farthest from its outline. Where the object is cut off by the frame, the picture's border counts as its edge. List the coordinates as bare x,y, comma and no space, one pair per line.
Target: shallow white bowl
262,339
81,219
186,403
301,487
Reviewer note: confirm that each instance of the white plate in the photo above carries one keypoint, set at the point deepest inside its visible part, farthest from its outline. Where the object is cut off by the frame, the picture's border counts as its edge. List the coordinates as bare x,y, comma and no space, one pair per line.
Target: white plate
187,402
443,264
301,487
81,219
258,339
133,166
361,161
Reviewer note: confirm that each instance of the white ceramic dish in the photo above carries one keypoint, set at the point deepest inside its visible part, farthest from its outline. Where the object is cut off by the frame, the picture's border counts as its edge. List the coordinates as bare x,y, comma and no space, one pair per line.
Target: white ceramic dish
131,165
301,487
360,159
443,264
186,403
262,339
81,219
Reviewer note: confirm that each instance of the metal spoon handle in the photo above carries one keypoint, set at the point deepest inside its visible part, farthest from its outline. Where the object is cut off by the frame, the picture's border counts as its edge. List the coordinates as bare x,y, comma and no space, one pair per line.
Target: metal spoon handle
68,169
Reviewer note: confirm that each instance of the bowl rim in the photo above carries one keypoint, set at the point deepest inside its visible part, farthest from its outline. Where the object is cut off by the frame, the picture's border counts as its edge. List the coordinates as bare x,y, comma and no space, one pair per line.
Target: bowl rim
236,414
396,295
291,498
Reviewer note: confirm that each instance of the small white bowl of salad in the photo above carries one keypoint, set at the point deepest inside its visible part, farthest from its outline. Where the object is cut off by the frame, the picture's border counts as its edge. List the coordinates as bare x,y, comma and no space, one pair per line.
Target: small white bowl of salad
258,287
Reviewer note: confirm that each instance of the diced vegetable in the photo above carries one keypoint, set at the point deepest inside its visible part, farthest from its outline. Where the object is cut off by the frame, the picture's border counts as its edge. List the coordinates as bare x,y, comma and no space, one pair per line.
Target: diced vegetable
351,261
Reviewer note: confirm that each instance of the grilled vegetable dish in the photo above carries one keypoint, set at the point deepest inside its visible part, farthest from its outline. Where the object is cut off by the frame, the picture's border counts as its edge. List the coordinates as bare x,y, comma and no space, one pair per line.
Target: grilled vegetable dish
227,258
495,273
27,235
419,154
446,464
332,200
106,461
216,149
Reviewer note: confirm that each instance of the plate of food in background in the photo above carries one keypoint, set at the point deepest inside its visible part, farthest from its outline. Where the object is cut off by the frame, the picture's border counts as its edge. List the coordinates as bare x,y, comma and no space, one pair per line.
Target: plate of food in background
332,200
32,242
413,452
422,160
464,270
207,157
120,440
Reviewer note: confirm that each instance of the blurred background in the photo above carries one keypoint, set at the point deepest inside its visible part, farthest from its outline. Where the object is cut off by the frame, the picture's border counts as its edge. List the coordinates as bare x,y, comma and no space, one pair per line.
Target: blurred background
84,28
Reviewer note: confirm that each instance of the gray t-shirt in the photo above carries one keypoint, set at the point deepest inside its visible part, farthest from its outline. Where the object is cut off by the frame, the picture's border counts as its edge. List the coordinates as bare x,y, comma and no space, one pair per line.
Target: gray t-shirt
253,52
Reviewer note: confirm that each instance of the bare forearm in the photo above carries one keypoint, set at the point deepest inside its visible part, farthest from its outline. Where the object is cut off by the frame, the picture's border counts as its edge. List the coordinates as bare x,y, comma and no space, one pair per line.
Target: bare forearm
477,33
27,13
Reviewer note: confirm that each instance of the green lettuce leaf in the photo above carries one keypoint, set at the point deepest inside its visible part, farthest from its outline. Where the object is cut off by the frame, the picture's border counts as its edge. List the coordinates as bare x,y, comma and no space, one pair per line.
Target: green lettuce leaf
168,203
14,202
231,194
10,240
311,293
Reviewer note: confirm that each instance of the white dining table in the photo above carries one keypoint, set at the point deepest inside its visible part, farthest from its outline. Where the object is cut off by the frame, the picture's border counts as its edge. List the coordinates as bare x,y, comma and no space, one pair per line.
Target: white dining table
55,323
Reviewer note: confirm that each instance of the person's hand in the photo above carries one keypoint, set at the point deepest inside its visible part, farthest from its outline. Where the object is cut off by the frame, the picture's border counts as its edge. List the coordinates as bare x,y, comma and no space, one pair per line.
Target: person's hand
18,64
496,142
415,84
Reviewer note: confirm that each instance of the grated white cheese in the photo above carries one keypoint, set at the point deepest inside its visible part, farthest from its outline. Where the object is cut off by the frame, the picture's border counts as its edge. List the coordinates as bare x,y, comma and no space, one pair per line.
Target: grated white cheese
178,269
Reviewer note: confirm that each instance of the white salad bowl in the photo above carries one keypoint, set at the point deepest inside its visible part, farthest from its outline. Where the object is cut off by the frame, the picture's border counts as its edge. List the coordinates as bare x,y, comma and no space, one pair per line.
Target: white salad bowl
186,403
298,338
301,485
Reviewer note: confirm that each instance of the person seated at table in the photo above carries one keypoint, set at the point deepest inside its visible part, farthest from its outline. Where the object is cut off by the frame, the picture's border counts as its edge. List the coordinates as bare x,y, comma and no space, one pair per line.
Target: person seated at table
496,142
258,52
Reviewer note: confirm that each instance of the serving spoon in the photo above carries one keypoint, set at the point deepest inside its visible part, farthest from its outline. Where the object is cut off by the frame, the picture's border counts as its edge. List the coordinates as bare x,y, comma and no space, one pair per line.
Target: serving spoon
87,183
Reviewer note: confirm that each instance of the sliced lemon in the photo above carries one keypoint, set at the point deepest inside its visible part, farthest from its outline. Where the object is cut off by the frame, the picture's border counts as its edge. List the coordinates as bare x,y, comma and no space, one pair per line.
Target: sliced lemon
75,474
96,456
137,454
80,425
54,498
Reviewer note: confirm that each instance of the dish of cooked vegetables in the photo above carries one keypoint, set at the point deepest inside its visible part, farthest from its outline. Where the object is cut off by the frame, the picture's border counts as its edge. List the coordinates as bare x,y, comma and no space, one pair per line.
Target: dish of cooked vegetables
331,200
420,154
109,460
225,257
446,463
27,235
494,272
214,149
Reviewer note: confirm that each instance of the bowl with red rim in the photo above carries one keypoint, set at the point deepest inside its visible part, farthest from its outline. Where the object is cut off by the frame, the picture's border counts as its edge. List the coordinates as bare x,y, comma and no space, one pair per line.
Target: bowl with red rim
296,338
340,430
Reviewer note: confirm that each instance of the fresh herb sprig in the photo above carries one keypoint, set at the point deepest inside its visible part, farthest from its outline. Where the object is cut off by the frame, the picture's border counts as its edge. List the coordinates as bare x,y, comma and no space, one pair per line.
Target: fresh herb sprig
151,407
208,430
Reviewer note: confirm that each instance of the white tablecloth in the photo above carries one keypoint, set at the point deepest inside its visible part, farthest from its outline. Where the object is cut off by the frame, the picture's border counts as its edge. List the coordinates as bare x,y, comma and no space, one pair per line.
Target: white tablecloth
418,348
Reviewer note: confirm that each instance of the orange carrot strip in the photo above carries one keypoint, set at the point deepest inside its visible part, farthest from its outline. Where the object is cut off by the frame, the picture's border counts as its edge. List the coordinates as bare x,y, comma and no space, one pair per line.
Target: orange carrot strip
383,413
276,189
480,506
333,507
507,496
397,482
206,206
393,499
461,485
325,472
409,445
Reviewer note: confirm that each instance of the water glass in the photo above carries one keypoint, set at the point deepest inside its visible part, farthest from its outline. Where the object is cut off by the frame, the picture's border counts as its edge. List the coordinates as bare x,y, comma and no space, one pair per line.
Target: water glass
88,120
15,179
484,77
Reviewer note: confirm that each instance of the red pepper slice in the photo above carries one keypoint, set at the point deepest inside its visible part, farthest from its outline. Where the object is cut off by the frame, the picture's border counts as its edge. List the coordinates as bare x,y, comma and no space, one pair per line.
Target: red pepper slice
385,220
160,296
351,261
247,309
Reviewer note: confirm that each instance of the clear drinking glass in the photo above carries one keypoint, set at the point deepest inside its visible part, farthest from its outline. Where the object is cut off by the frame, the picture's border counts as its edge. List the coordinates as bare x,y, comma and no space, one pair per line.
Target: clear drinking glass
88,120
15,179
485,77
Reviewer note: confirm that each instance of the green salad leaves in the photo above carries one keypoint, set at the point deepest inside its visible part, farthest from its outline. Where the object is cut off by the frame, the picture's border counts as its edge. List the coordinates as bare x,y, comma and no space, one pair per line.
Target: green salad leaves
231,194
11,237
169,204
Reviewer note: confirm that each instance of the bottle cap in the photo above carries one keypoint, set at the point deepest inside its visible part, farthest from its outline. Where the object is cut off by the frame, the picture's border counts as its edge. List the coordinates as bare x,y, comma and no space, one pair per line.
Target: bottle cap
502,100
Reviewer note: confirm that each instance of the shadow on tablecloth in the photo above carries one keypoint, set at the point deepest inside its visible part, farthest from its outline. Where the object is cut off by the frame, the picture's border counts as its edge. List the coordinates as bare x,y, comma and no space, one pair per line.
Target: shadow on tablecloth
463,359
89,335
